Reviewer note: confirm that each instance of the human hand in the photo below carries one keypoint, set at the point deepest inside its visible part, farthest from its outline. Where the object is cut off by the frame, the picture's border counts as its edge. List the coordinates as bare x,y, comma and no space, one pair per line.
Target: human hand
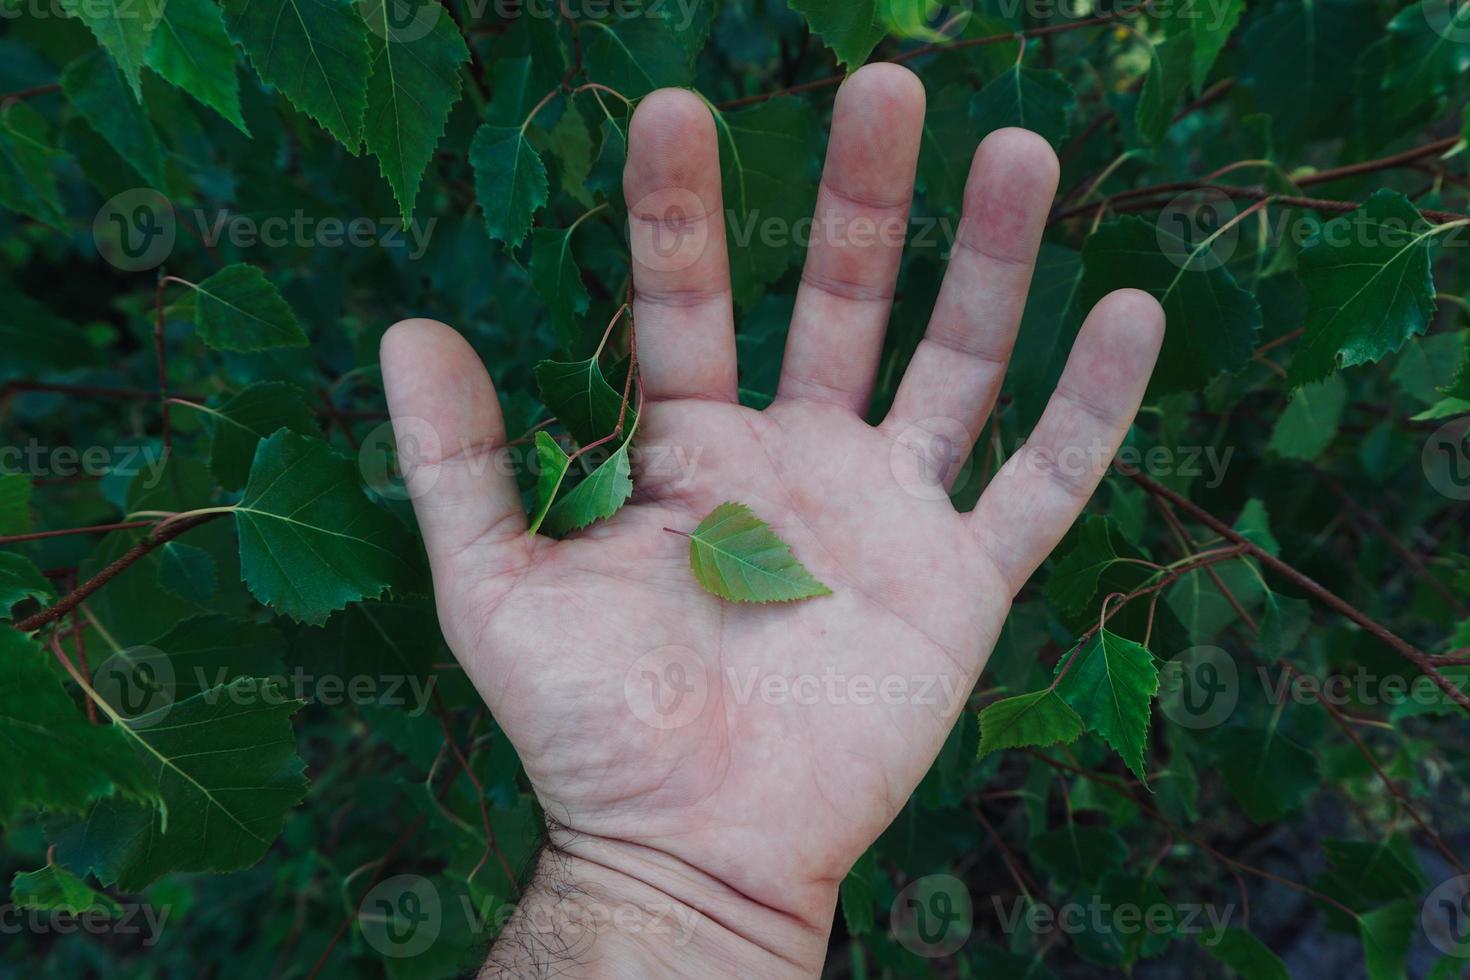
639,703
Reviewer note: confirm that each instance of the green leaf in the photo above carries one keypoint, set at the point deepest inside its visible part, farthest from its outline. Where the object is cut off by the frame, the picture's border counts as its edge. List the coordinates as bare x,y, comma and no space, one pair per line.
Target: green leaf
557,278
1269,774
1038,718
1373,872
55,889
53,756
36,338
581,399
20,579
1078,856
96,88
15,503
1111,683
191,49
1048,327
514,92
315,51
1425,57
551,468
736,556
1297,57
1425,697
239,309
1368,285
1310,421
1212,322
124,29
599,496
859,902
635,55
1031,98
245,419
1170,64
849,27
28,170
1386,935
606,176
946,148
1099,559
1242,952
570,144
224,769
510,181
415,82
1113,940
207,651
188,572
387,640
1283,623
310,540
1209,26
766,155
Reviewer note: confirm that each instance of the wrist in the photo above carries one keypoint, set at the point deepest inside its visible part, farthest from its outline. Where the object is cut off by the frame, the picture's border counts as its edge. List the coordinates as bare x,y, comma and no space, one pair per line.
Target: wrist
618,909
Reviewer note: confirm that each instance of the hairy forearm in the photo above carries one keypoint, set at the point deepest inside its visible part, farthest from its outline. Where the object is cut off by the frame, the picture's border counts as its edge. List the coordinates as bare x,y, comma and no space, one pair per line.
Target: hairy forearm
598,908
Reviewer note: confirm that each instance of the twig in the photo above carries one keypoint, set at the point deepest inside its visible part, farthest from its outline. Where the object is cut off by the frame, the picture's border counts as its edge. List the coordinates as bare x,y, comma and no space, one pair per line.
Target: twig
1308,585
26,93
72,599
66,531
490,846
1407,556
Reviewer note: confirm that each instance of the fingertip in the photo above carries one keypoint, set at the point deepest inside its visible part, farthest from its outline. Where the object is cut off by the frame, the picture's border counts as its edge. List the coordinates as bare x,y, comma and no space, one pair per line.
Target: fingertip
1022,151
1136,316
886,87
405,335
671,143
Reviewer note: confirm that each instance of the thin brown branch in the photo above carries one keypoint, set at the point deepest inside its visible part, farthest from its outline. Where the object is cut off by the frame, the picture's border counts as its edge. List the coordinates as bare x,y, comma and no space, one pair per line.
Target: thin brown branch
1306,584
26,93
72,599
1405,554
490,845
67,531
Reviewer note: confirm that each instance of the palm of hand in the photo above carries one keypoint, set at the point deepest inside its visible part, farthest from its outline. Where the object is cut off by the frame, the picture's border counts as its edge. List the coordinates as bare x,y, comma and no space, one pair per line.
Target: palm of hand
768,745
743,738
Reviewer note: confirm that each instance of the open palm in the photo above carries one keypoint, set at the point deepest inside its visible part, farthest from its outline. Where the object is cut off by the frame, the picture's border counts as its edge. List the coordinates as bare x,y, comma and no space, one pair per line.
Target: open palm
763,747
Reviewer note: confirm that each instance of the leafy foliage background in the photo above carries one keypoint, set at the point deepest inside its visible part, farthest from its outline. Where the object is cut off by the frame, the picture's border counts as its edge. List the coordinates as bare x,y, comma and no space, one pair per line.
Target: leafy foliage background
1298,504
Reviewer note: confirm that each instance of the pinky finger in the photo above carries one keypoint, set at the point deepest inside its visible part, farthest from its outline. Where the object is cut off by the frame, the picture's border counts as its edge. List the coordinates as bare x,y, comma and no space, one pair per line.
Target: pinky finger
1040,490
